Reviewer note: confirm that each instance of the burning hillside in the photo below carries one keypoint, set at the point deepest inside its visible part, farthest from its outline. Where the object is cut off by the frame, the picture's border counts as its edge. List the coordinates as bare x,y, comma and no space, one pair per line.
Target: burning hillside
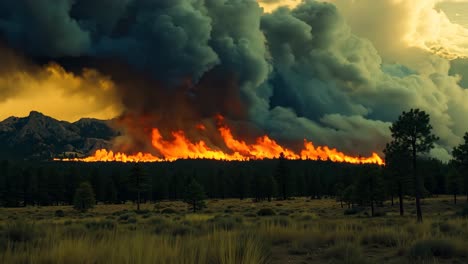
179,146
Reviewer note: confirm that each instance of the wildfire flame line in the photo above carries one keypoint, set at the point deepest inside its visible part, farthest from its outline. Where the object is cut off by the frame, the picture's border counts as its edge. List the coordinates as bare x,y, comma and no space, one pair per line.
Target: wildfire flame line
180,147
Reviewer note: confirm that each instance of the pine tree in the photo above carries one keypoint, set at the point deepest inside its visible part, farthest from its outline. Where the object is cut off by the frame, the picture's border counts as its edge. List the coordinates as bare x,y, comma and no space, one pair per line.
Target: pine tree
282,176
369,188
84,197
454,183
412,132
460,159
397,167
138,181
195,196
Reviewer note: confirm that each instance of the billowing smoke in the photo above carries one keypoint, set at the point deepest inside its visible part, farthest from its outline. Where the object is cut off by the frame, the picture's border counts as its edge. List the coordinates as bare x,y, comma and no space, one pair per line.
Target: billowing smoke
294,74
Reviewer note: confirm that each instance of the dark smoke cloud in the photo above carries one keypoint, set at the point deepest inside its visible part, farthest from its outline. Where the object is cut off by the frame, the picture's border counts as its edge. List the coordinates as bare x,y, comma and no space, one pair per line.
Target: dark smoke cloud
294,74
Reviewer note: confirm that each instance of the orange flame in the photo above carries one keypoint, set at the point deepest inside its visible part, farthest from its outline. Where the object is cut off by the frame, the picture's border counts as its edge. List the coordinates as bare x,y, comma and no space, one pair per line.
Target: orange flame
180,147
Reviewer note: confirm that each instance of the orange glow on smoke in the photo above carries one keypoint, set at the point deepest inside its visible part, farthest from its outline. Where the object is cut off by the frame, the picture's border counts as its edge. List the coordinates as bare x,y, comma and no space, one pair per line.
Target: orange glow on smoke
180,147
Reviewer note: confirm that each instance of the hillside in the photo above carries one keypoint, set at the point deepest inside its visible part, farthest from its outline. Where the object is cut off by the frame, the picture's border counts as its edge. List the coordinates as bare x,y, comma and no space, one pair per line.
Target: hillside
41,137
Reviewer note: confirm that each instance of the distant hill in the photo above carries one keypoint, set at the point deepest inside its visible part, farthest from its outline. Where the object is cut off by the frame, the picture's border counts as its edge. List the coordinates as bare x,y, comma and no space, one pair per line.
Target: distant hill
41,137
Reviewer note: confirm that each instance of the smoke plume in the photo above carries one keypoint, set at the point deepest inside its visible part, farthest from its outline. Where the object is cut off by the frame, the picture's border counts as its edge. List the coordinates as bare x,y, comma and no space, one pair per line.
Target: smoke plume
295,74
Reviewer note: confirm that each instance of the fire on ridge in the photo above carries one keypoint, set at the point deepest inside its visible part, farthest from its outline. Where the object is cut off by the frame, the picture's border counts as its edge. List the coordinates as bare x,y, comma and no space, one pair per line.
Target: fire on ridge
180,147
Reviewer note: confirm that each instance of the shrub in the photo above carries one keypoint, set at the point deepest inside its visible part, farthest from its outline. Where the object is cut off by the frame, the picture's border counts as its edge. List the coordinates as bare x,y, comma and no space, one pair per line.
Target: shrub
346,252
21,231
145,211
463,212
250,215
118,213
84,197
125,217
182,230
297,251
132,220
350,211
379,214
168,211
266,212
59,213
446,228
226,222
386,239
105,224
434,248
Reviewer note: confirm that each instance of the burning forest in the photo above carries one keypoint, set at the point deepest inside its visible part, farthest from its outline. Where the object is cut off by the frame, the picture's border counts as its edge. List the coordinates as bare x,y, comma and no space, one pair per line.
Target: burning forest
181,147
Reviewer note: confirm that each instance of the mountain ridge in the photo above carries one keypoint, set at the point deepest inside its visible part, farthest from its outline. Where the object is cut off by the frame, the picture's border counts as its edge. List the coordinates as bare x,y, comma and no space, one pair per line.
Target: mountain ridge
41,137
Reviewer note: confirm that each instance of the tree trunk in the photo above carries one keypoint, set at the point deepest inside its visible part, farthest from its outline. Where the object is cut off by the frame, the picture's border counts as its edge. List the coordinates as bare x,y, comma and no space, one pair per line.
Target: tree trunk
341,203
455,198
372,208
417,187
400,198
138,201
392,200
284,190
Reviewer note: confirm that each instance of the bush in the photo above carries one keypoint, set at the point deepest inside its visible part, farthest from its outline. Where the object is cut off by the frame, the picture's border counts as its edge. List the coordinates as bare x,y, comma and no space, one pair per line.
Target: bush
145,211
434,248
59,213
168,211
105,224
125,217
386,239
21,231
226,222
346,252
446,228
353,211
463,212
132,220
266,212
84,197
182,230
250,215
118,213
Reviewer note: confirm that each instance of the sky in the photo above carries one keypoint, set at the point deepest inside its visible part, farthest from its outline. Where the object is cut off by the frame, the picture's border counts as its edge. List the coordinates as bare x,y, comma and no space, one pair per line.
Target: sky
336,72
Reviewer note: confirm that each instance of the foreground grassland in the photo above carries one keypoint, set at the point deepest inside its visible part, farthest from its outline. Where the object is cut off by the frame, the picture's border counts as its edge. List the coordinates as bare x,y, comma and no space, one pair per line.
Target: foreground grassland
232,231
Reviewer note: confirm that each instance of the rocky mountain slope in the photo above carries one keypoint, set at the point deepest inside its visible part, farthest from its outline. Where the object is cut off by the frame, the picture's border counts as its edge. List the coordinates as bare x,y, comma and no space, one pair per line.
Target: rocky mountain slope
42,137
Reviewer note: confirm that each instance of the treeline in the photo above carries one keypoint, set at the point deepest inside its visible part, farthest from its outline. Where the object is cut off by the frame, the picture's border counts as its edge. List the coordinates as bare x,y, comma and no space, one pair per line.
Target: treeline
406,172
55,183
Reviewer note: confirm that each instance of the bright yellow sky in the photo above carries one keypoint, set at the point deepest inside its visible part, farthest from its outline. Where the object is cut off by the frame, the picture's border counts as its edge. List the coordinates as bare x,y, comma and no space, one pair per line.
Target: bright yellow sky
59,94
268,6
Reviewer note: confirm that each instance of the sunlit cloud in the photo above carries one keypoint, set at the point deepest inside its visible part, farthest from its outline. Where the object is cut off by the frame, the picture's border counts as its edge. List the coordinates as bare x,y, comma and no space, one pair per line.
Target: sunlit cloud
54,91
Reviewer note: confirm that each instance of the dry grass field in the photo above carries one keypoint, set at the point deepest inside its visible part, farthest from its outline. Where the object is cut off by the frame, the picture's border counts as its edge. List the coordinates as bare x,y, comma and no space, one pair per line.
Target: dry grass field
299,230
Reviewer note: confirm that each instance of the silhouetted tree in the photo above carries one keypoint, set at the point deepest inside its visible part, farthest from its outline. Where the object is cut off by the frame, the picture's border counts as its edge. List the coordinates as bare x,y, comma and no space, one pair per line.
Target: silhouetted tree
349,195
339,193
195,196
412,132
138,182
84,197
460,159
269,187
454,183
241,186
397,167
282,176
369,188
